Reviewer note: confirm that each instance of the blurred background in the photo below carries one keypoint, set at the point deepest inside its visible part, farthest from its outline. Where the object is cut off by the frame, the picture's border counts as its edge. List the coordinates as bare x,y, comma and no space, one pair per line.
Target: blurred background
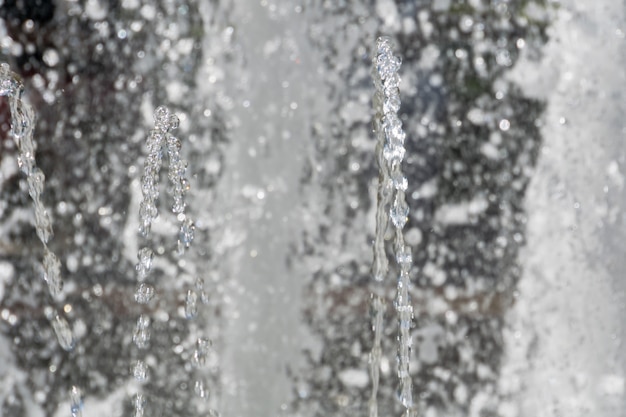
514,117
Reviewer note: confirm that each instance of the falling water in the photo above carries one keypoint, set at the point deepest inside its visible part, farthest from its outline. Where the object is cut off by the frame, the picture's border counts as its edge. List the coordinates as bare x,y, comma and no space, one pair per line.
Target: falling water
148,212
159,139
274,99
22,126
392,185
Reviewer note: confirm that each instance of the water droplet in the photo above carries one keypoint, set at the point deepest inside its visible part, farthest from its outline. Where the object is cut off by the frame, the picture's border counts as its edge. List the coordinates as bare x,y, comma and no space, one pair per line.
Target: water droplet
43,224
191,304
404,257
148,188
204,297
201,389
399,180
139,403
174,122
52,273
144,293
140,371
384,45
399,211
186,234
162,118
63,332
141,335
145,256
76,402
201,352
155,142
147,213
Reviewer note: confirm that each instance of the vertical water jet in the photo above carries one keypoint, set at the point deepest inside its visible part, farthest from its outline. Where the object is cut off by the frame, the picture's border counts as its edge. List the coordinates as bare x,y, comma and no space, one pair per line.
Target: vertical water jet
392,206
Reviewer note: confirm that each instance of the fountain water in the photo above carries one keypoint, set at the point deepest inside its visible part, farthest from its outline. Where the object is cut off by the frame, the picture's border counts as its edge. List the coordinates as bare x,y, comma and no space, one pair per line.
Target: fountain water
160,139
274,100
392,200
22,127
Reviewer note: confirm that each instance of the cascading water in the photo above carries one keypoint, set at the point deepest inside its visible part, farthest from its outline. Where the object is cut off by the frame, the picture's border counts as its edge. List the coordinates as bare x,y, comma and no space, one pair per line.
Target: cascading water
274,101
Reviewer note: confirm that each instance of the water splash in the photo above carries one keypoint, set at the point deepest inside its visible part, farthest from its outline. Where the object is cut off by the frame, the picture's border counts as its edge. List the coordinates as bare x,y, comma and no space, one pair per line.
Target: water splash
392,206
